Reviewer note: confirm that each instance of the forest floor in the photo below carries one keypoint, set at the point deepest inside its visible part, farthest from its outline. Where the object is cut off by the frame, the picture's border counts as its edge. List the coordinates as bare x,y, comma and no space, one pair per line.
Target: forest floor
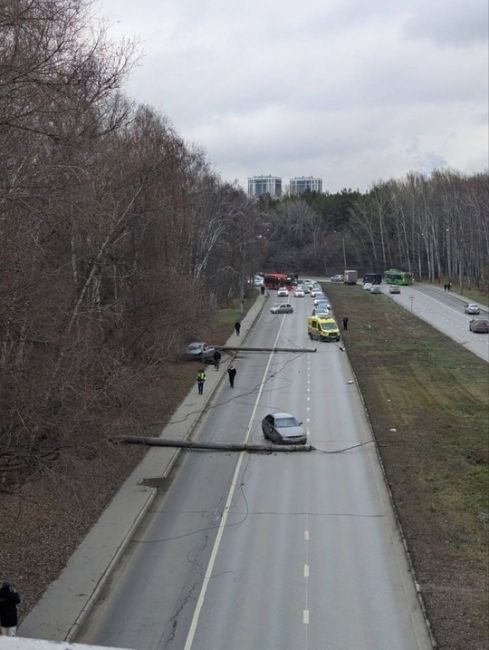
428,402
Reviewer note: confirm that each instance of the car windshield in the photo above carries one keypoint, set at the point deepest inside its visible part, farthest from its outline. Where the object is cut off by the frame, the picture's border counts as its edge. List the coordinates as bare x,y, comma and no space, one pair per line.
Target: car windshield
328,326
285,422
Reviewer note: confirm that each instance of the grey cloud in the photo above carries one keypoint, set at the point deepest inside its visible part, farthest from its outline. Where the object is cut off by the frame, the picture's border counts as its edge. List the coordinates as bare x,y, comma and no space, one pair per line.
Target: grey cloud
450,22
343,89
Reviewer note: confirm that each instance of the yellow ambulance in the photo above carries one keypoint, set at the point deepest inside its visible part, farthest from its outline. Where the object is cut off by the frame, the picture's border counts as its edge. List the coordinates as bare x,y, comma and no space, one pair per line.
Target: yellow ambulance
323,328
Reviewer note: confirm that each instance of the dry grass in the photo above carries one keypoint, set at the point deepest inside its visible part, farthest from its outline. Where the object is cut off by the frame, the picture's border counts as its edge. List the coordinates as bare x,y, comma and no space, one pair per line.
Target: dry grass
435,395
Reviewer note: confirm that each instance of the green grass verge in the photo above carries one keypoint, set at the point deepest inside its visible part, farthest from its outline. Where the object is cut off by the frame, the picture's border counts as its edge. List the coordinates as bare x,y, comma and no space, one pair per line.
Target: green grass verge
434,393
222,325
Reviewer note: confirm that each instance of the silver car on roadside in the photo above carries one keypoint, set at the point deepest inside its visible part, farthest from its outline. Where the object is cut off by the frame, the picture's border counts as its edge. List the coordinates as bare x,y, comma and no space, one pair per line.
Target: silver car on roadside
283,429
200,351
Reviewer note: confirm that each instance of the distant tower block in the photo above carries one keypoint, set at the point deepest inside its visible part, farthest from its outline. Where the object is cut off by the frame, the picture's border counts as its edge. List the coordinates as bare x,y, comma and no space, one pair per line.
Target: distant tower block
301,184
260,185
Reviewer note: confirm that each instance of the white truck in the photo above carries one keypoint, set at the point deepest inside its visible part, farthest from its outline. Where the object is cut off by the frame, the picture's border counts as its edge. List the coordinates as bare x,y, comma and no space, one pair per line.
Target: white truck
350,277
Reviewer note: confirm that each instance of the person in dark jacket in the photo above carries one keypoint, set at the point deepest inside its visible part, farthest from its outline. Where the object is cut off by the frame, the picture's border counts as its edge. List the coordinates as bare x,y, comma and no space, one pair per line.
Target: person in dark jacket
9,599
345,323
237,327
217,359
232,375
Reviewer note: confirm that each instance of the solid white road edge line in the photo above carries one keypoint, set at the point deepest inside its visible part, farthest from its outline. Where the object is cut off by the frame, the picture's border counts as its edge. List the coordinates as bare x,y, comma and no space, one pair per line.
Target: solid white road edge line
222,523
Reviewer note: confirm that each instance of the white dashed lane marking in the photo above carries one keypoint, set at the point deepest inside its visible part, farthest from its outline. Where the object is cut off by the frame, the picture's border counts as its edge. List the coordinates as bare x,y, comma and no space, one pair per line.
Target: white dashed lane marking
306,571
306,535
305,617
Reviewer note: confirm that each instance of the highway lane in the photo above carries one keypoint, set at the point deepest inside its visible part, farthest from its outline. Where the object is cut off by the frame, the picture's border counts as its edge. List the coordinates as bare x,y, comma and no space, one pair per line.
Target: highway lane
271,551
444,311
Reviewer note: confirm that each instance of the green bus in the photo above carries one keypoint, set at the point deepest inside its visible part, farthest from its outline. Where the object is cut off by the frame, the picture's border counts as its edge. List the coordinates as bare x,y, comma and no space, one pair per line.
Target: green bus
394,276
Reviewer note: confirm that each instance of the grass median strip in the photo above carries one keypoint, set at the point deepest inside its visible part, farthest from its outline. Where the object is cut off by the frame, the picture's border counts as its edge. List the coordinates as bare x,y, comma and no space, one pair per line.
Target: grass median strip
428,401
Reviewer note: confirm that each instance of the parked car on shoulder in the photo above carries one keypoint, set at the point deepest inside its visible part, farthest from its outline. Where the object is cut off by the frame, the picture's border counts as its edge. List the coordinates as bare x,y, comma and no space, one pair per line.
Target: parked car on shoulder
324,302
282,308
376,288
200,351
393,288
319,297
472,308
479,326
283,429
336,278
283,292
321,312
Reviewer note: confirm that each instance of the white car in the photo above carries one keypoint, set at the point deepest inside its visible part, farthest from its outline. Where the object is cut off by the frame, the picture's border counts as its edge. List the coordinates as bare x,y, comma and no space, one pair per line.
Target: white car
315,290
282,308
471,308
376,288
283,292
299,292
367,286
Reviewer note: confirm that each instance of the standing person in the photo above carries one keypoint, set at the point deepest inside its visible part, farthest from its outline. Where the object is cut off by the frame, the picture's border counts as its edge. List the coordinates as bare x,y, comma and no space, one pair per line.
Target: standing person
9,599
217,359
345,323
237,327
232,375
262,289
201,377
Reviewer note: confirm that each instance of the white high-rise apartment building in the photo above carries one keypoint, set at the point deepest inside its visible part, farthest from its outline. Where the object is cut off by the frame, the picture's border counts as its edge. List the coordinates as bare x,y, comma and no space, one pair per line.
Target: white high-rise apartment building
301,184
260,185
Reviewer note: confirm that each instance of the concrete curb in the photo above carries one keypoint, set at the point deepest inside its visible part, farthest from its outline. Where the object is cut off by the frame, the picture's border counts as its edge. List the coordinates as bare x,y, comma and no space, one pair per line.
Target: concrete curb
68,600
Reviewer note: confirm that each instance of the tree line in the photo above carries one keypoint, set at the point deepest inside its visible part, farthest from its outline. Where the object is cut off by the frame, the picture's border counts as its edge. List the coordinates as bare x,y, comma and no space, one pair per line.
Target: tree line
117,239
434,226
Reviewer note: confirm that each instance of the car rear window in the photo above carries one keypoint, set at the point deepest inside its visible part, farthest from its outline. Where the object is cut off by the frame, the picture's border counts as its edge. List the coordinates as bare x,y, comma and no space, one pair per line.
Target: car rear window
286,422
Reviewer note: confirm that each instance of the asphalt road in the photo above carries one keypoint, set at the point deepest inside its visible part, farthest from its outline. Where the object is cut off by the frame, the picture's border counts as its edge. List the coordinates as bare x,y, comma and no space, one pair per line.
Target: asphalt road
271,551
444,311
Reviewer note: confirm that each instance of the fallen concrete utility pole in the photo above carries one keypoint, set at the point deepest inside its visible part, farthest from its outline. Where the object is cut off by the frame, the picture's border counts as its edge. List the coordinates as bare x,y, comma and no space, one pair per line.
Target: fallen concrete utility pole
242,349
211,446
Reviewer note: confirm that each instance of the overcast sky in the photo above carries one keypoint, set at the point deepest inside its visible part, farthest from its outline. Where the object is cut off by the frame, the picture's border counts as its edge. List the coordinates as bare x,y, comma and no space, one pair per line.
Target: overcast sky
352,91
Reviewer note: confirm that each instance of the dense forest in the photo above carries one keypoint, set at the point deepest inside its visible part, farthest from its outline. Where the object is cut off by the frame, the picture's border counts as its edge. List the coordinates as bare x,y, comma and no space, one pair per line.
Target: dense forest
117,239
435,227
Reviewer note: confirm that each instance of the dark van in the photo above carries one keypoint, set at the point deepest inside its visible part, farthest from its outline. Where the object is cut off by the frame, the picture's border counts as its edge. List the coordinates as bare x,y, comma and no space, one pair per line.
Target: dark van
373,278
